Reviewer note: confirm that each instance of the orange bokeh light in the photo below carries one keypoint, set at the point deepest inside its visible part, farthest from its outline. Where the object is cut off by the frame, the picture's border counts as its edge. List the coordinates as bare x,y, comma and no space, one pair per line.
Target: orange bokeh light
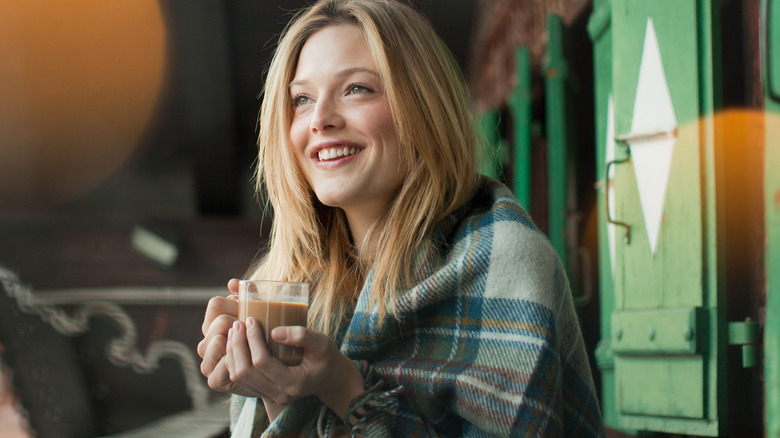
79,84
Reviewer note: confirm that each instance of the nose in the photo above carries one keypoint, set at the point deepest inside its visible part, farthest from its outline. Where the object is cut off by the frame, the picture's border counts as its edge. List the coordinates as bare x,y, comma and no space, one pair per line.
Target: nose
327,115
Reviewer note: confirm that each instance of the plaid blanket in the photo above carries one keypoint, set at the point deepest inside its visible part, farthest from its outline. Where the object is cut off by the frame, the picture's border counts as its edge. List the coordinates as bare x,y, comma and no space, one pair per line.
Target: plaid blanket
487,343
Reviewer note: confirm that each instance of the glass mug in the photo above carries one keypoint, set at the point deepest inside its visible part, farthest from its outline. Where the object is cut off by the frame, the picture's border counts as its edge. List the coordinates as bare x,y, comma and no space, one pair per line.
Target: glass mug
273,304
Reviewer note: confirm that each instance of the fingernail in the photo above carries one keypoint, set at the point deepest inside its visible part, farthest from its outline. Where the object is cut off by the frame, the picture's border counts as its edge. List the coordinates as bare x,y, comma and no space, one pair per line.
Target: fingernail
236,326
250,323
230,334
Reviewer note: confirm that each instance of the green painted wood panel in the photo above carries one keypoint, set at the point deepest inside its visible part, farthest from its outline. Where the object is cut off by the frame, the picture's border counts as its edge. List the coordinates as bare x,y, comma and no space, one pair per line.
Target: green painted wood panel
771,49
520,106
555,70
671,277
771,41
669,387
658,331
772,327
600,32
682,270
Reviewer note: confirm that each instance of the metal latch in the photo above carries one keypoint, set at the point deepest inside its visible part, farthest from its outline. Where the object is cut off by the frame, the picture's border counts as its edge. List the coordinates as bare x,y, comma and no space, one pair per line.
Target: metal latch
745,334
638,137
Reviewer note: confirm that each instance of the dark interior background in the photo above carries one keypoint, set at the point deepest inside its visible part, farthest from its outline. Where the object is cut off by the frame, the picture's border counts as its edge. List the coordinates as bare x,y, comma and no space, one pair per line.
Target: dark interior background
197,157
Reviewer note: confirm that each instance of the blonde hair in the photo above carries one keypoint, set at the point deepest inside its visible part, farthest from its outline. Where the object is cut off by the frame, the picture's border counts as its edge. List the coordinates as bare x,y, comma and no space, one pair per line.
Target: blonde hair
310,241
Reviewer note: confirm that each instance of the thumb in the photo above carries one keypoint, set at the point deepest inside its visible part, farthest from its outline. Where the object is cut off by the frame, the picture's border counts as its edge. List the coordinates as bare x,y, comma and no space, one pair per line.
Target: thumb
301,337
233,286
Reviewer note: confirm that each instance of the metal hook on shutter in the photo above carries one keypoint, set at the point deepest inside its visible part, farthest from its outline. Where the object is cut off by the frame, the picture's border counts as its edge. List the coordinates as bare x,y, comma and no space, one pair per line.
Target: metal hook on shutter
627,237
626,139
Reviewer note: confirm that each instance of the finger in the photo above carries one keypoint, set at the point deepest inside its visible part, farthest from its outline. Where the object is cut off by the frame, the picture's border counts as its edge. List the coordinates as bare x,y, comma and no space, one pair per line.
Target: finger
301,337
233,289
219,327
258,347
214,353
229,362
202,347
219,379
244,376
218,306
262,360
240,351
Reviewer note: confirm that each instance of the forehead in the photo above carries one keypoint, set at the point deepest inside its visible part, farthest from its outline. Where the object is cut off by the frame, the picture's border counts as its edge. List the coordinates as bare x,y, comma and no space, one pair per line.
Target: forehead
334,49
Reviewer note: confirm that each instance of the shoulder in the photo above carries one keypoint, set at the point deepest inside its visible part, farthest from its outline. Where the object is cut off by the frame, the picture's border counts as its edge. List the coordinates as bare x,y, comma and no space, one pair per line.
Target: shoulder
495,221
516,260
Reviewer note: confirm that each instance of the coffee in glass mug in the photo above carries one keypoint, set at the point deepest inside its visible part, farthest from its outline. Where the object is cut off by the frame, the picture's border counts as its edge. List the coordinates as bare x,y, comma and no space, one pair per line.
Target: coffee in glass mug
273,304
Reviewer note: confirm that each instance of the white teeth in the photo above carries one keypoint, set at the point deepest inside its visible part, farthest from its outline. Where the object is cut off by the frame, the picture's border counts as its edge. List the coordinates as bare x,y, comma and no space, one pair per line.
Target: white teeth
329,154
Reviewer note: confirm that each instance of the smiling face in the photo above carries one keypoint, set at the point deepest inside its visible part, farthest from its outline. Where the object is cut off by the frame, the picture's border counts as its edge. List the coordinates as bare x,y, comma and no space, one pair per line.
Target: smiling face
342,132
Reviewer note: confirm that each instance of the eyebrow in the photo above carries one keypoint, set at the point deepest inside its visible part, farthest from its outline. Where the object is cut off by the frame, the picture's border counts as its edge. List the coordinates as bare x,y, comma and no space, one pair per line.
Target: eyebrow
341,74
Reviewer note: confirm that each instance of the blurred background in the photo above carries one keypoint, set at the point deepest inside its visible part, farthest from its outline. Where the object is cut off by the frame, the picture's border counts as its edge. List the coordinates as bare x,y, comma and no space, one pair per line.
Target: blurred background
127,157
141,107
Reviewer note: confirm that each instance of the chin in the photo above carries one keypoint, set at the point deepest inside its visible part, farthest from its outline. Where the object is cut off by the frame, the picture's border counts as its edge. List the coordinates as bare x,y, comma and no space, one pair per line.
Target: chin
335,196
330,201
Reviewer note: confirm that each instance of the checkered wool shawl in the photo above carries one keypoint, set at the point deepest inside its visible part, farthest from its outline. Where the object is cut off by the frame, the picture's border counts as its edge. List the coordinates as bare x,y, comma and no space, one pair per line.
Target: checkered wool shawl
487,342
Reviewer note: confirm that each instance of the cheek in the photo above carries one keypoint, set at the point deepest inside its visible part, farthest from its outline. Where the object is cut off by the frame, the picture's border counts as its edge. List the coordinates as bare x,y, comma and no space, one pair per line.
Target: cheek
298,137
390,139
380,121
298,140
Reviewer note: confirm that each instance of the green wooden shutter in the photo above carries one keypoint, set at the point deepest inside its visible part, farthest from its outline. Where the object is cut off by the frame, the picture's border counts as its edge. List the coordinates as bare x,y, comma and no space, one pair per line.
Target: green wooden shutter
600,32
771,42
667,327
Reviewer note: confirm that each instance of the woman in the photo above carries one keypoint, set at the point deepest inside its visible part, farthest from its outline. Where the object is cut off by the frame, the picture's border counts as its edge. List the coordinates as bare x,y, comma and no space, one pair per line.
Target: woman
437,308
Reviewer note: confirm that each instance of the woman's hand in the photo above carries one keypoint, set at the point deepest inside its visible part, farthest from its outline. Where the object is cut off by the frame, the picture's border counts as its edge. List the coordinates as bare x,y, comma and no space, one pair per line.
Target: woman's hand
221,313
323,372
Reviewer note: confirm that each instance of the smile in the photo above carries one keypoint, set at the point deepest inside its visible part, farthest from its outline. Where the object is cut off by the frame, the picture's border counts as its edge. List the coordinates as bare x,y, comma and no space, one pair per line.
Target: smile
337,152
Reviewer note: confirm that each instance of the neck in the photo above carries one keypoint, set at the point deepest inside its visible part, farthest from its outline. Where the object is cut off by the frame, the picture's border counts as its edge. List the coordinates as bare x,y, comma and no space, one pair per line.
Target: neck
359,227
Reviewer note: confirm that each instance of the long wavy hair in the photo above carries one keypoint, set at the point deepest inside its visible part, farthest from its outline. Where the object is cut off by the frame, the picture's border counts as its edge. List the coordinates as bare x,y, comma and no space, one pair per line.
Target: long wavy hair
310,242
